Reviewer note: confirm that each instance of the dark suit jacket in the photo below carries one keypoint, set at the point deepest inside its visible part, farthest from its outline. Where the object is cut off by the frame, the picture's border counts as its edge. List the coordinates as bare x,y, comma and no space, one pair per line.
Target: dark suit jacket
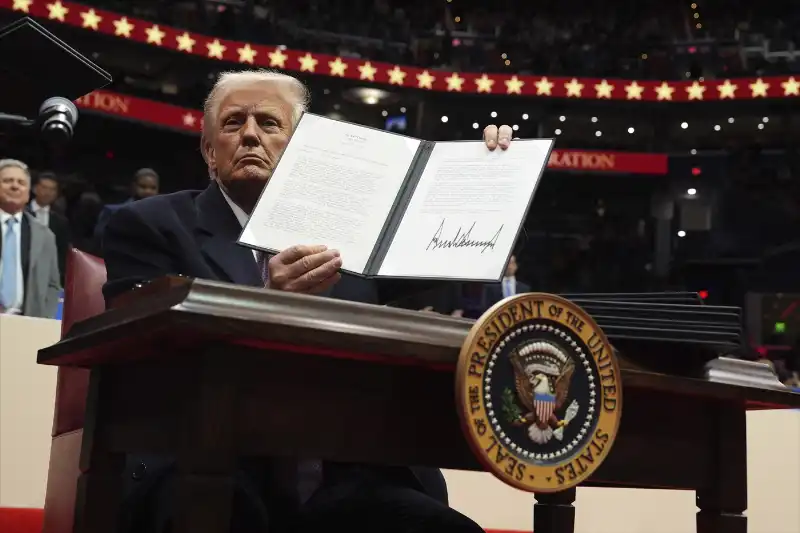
105,215
59,225
494,292
194,233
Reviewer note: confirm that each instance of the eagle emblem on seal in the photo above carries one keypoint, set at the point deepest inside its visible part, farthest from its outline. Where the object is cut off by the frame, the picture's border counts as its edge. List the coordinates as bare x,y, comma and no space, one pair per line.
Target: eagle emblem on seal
542,377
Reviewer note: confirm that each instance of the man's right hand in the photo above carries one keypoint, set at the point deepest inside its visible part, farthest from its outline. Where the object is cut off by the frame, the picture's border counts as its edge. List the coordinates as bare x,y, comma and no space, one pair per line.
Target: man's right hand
308,269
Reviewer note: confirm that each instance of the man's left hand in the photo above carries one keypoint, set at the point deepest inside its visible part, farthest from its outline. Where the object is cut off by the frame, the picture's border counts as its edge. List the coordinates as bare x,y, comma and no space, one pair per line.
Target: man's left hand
494,136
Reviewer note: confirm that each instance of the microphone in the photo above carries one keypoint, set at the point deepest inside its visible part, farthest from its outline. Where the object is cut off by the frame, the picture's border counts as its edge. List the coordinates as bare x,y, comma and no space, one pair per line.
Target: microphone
57,119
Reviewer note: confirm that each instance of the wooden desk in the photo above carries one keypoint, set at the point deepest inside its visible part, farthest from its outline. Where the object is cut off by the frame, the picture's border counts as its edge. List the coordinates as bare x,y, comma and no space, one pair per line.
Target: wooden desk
206,372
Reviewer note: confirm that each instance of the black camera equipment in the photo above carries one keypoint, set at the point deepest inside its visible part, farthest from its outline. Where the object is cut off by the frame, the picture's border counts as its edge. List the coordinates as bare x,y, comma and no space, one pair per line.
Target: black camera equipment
42,76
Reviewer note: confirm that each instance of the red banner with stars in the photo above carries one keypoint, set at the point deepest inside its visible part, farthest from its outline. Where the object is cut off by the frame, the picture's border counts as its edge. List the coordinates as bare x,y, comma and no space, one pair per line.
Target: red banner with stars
190,121
196,44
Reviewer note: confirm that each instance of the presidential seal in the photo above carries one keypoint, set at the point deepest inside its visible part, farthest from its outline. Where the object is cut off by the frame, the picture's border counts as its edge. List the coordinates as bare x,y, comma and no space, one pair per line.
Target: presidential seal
539,392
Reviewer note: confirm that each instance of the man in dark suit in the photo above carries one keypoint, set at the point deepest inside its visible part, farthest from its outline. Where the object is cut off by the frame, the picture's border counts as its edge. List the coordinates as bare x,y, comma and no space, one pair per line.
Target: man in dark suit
248,119
508,286
45,193
145,184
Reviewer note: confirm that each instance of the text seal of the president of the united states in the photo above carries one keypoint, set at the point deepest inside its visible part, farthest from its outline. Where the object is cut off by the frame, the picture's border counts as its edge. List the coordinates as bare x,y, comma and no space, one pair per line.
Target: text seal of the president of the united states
539,392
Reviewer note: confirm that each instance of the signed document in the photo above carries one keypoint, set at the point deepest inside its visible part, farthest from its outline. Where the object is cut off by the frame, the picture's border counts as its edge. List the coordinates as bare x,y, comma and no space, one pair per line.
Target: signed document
395,206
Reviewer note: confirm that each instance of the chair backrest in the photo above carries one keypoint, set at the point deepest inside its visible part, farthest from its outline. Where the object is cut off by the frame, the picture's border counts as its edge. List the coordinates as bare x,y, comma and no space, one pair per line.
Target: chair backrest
83,298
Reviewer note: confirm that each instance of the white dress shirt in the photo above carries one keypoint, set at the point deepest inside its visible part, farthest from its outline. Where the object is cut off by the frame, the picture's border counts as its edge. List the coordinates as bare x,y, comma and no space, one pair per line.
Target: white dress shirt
16,307
241,216
41,212
509,286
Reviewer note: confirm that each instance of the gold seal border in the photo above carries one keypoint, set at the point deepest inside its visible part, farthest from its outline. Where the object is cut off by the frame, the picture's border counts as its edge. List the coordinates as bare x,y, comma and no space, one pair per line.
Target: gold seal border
609,422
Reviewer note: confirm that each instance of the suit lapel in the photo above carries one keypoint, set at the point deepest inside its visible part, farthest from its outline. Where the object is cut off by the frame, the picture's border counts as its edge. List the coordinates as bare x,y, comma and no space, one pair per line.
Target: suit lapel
31,243
218,231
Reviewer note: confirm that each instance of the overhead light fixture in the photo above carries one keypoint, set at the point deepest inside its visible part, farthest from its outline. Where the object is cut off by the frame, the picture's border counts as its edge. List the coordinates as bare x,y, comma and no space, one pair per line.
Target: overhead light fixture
631,130
681,233
384,113
370,100
493,114
444,118
693,151
594,119
557,132
761,126
765,119
717,127
524,116
598,133
691,192
475,126
684,125
562,118
515,127
402,109
730,120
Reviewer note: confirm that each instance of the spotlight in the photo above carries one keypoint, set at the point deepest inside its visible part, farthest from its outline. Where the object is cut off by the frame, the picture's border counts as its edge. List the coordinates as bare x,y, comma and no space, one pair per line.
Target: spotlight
562,118
475,126
594,119
631,130
684,125
444,118
493,114
558,131
691,192
598,133
524,116
717,127
681,233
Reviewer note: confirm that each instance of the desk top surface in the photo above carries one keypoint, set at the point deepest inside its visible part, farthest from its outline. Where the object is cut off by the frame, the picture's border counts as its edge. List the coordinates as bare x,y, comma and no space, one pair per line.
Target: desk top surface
181,312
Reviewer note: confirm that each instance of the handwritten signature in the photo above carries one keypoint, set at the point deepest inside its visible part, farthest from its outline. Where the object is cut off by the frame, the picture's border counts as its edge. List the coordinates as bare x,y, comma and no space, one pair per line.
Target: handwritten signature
462,239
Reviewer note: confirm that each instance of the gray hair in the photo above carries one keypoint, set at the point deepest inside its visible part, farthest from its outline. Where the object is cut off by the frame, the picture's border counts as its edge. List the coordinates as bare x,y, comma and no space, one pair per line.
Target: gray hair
16,163
228,81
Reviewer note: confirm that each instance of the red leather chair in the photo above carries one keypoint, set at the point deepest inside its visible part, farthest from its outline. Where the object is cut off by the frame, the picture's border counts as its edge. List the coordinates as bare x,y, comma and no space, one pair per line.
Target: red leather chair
83,298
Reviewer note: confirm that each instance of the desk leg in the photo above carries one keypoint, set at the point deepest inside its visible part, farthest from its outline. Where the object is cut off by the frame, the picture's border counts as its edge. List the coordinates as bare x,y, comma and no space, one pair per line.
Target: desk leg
554,513
722,504
100,484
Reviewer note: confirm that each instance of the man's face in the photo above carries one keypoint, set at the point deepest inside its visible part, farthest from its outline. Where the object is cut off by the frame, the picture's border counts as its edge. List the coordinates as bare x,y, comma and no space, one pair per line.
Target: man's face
15,189
511,269
252,128
45,191
145,187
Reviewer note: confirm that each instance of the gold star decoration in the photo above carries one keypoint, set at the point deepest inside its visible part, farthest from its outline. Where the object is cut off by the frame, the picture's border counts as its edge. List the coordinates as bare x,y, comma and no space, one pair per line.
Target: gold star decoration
574,88
695,91
277,58
759,88
484,84
791,87
396,76
634,91
123,28
367,71
154,35
604,89
22,5
91,19
727,90
337,67
307,63
185,42
425,80
544,87
514,85
57,11
215,49
247,54
664,91
454,82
